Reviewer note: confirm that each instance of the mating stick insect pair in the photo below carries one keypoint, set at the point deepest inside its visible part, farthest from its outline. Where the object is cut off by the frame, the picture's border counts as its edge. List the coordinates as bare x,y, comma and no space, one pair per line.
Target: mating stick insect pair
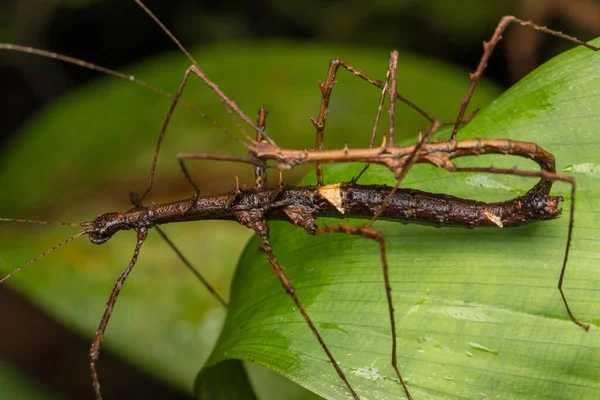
301,205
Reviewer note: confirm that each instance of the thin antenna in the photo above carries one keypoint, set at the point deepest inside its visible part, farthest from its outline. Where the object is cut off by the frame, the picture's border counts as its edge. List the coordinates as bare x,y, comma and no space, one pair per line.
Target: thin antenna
115,74
44,254
39,222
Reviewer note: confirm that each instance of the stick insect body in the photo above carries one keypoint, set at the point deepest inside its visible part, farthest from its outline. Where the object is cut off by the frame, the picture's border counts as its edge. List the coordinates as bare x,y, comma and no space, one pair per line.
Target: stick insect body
246,206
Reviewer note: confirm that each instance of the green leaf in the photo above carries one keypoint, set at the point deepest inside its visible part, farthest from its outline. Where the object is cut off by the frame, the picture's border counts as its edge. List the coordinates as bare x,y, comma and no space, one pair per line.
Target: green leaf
478,312
226,380
81,157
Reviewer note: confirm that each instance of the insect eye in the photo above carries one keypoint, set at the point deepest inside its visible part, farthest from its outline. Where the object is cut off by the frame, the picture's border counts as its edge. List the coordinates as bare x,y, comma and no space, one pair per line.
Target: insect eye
99,237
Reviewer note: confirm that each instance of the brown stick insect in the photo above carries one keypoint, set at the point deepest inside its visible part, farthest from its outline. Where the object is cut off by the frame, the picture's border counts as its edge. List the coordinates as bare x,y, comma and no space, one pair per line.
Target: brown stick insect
366,371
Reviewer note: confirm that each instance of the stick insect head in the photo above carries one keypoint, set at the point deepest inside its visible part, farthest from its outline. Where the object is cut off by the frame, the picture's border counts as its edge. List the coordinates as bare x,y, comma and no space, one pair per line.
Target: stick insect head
105,226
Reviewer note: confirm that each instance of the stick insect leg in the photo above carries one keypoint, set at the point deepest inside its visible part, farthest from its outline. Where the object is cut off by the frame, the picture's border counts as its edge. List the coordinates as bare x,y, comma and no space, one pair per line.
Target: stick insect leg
380,238
488,48
94,353
406,165
552,177
196,70
161,136
134,197
259,168
261,228
319,123
182,157
326,88
260,173
194,271
377,117
403,169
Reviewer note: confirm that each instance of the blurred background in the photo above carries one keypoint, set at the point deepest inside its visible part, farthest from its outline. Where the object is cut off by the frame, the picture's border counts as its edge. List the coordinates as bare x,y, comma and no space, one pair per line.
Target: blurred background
117,33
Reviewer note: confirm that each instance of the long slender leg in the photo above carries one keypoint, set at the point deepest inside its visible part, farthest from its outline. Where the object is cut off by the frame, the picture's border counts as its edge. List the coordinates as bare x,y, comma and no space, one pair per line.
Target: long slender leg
326,88
488,48
193,270
260,172
550,176
376,124
95,349
200,74
393,70
379,238
134,197
259,226
381,84
405,167
259,168
161,136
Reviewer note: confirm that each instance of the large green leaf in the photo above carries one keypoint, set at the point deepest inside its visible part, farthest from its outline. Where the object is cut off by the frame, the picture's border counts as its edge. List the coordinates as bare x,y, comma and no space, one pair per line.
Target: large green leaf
80,158
478,312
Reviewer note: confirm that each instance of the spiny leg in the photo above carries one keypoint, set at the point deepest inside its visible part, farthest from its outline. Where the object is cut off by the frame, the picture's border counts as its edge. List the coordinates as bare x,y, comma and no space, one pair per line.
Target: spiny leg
376,124
130,78
381,84
95,348
261,228
326,88
196,70
401,172
407,164
259,166
378,236
550,176
260,172
182,157
488,48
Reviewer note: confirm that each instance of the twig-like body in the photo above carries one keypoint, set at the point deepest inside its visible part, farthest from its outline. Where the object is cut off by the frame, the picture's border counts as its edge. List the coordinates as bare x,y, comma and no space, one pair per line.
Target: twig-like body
439,154
301,205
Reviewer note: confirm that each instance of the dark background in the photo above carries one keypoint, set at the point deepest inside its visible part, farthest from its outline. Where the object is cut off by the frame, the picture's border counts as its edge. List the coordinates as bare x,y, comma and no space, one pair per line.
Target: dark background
114,33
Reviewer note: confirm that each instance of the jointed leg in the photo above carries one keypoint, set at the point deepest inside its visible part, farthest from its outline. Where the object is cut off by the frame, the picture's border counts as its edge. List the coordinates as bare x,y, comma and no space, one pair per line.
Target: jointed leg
376,235
95,349
327,86
488,48
259,167
193,270
261,229
405,167
377,117
260,172
551,177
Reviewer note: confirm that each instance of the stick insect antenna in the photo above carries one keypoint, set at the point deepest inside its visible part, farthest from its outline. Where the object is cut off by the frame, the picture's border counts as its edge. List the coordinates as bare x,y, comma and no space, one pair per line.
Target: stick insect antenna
39,222
139,82
115,74
44,254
